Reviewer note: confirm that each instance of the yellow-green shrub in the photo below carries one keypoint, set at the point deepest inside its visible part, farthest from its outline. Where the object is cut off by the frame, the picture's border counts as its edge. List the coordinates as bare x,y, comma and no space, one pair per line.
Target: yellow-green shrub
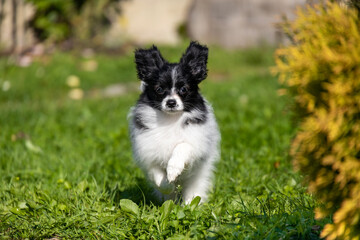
322,70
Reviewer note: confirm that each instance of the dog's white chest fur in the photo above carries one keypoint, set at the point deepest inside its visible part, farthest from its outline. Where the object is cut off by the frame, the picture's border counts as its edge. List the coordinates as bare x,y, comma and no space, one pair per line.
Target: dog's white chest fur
164,132
170,147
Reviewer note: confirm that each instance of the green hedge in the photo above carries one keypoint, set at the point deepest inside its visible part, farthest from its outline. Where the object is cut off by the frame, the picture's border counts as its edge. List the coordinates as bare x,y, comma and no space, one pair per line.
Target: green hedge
322,71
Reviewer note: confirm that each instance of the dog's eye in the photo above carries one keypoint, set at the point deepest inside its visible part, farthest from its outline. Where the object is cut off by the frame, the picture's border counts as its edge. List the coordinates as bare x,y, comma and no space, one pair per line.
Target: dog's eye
183,90
159,90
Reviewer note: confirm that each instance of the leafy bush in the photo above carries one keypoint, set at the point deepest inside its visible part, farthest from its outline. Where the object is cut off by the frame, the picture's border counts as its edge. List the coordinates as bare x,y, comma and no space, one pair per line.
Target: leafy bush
322,71
52,19
83,20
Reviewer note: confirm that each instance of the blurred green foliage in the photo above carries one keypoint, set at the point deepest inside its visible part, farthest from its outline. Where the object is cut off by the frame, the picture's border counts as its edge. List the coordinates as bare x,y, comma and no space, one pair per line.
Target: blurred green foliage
322,71
81,20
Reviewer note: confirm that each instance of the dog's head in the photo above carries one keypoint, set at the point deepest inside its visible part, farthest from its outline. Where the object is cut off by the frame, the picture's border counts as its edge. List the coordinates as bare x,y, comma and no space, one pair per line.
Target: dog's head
172,87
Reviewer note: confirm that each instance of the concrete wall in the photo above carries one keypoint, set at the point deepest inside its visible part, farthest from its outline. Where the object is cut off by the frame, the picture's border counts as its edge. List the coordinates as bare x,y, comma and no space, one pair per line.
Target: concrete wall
228,23
239,23
150,21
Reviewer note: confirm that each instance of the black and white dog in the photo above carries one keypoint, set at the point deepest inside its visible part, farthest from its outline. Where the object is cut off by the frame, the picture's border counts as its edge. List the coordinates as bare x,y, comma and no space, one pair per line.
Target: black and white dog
174,134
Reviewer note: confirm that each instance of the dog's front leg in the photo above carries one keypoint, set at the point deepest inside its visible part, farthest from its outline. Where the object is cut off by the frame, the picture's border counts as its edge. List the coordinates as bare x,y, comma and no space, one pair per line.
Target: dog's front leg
158,177
180,158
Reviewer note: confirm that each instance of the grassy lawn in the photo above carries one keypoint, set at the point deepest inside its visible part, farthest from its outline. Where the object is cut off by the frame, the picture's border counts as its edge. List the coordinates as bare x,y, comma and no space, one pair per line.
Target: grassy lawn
66,167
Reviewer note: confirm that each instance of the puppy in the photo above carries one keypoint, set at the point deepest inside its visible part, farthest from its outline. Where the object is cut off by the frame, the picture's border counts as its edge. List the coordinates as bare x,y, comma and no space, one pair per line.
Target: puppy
174,134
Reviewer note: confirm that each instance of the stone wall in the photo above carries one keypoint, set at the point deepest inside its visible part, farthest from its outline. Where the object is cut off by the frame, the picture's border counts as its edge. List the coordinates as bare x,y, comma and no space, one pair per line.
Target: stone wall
239,23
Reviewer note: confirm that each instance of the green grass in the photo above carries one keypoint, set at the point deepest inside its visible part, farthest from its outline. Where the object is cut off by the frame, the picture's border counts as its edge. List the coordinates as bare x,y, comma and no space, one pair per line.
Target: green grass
66,168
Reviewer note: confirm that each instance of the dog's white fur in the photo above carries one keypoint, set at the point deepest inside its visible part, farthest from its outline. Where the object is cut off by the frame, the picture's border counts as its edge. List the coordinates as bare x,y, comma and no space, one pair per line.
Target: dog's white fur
172,152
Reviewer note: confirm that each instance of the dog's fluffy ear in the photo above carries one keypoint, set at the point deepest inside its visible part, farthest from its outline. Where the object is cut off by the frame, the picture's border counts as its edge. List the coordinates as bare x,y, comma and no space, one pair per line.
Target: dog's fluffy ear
149,62
194,61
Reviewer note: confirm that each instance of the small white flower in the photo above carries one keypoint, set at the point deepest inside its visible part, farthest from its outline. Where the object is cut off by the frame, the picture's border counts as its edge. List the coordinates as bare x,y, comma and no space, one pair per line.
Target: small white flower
89,65
244,99
33,148
6,86
73,81
76,94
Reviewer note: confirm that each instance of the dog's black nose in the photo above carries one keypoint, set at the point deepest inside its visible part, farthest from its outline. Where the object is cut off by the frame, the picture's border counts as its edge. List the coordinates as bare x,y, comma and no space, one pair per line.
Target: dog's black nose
171,103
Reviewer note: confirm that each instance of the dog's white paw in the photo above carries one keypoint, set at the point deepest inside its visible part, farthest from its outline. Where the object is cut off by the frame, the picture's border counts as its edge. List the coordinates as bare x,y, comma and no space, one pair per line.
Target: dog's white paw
162,183
173,172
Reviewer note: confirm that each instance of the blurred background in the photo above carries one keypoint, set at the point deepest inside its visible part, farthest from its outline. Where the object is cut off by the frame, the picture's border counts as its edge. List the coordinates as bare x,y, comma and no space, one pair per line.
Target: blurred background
68,80
113,23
